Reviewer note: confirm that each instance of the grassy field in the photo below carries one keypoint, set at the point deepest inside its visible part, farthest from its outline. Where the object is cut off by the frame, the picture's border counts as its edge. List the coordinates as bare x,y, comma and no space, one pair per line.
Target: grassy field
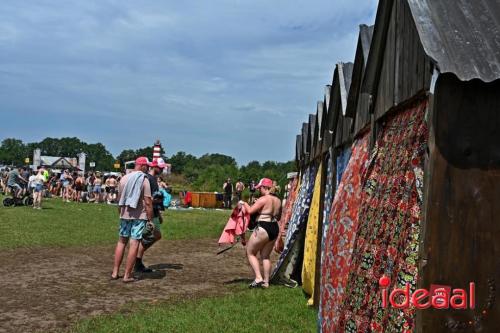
72,224
59,224
277,309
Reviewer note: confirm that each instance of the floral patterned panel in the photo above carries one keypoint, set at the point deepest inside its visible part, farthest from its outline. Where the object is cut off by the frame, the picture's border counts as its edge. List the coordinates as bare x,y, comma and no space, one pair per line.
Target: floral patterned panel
311,240
327,204
340,236
290,259
389,226
287,210
342,161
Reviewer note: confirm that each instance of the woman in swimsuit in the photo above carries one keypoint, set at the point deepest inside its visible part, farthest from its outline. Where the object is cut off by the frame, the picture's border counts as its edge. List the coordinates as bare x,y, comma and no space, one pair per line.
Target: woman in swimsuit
97,188
268,211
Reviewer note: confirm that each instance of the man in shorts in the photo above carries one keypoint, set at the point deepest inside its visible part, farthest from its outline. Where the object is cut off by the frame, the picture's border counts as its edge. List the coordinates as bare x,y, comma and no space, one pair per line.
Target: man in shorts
13,180
240,187
228,193
135,208
156,168
111,184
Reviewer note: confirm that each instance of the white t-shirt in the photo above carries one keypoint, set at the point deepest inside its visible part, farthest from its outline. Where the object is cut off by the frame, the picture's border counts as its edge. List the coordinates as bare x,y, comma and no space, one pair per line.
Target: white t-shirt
39,180
31,180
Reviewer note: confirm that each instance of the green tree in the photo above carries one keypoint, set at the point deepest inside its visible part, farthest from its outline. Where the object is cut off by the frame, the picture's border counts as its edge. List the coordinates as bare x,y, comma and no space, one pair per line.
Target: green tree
126,155
13,151
180,161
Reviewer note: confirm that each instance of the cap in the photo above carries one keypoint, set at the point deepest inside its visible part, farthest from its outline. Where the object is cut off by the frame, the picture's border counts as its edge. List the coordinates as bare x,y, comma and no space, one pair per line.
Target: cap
142,161
265,182
159,163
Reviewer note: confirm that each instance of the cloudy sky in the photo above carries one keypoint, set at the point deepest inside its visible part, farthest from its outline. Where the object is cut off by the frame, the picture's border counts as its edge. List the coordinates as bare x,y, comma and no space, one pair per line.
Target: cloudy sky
228,76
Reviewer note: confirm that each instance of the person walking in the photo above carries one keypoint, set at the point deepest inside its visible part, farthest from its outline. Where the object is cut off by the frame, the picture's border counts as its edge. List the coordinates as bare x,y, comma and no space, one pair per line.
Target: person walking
111,184
261,242
67,181
97,188
31,182
251,189
79,187
240,187
156,168
136,209
228,193
38,182
89,181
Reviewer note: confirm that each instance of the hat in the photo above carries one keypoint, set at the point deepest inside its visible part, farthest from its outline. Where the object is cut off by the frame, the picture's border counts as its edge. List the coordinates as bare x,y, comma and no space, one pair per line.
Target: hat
142,161
265,182
159,163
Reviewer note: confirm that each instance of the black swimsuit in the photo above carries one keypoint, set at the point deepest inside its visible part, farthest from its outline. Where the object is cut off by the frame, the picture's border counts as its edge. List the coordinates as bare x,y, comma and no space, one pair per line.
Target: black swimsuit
271,228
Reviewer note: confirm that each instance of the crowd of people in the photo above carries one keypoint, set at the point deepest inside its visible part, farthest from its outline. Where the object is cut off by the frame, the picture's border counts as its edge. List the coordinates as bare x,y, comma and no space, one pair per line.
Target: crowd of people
141,195
235,191
70,186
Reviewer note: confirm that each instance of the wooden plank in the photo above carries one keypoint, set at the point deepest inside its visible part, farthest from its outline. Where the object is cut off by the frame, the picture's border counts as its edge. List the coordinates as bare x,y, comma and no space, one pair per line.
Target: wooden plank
461,235
398,57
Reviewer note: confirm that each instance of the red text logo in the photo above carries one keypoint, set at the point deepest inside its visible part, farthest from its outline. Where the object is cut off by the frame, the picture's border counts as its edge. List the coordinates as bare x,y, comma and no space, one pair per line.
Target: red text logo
439,297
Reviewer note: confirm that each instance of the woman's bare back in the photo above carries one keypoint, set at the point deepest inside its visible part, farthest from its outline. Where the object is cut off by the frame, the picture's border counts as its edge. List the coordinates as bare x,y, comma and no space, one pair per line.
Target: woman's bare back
270,209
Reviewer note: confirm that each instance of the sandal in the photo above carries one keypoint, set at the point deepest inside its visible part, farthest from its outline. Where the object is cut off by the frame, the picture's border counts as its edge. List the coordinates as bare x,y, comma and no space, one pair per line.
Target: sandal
112,278
256,284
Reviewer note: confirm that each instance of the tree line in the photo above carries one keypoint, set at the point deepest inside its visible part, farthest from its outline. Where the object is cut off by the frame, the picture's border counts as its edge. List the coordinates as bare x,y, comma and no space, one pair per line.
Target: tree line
204,173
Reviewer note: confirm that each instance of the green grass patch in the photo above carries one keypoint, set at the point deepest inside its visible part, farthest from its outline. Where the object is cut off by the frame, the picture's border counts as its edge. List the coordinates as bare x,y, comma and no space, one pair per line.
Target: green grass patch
71,224
277,309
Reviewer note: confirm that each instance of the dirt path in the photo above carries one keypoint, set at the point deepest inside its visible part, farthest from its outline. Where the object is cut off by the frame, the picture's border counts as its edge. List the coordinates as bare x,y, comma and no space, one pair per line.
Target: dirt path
50,289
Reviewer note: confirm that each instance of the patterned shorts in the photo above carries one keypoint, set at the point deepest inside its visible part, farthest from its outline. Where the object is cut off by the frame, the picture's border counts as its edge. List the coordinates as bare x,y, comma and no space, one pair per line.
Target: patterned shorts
132,228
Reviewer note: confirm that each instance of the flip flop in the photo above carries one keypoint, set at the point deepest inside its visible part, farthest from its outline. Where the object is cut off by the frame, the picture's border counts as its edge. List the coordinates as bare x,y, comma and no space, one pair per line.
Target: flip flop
255,284
130,280
112,278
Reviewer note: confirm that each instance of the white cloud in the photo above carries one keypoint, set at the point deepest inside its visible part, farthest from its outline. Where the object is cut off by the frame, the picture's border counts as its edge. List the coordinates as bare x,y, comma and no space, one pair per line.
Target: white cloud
198,66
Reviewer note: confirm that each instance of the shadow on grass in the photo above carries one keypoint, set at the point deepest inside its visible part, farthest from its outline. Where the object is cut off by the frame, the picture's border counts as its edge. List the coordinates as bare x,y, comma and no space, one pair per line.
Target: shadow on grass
155,275
166,266
239,280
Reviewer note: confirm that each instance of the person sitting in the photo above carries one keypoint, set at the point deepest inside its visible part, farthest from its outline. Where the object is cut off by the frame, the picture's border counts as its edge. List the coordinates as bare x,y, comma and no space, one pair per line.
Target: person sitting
268,212
14,181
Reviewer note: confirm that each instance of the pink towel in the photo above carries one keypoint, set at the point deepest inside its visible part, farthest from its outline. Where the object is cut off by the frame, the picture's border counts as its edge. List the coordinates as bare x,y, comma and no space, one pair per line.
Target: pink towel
236,226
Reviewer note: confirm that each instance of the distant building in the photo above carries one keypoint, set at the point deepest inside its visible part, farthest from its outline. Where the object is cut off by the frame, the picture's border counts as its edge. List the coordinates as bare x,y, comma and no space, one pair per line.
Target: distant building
59,163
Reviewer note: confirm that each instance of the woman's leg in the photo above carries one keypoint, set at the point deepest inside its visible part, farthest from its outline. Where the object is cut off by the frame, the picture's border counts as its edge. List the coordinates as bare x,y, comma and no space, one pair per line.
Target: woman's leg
35,199
39,199
265,254
257,241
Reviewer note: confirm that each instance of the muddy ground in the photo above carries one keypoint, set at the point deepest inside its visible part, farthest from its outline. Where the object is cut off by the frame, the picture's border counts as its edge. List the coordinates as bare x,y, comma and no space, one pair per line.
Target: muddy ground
49,289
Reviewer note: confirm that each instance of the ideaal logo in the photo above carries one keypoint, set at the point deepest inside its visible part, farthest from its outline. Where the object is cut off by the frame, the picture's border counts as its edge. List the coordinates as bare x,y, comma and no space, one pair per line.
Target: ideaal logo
439,297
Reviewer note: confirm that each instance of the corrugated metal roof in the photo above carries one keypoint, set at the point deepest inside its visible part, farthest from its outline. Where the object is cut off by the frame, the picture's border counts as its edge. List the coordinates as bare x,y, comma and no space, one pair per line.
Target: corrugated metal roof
462,36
